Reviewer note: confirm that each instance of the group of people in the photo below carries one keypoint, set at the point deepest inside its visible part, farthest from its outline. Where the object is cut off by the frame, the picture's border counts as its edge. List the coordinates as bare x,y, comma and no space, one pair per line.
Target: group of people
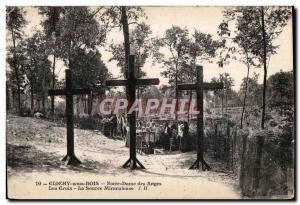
175,136
117,124
168,136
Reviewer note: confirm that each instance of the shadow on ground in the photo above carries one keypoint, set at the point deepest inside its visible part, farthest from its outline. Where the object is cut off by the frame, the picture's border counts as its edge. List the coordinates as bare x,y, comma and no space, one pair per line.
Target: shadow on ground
29,159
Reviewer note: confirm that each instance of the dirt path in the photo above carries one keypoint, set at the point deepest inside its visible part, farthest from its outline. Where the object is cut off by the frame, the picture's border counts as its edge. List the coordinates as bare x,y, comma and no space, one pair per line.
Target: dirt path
35,147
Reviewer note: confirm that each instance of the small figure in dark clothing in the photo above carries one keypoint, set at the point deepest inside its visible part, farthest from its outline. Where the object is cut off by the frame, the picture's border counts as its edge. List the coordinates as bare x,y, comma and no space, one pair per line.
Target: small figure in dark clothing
166,137
123,126
174,138
114,125
184,145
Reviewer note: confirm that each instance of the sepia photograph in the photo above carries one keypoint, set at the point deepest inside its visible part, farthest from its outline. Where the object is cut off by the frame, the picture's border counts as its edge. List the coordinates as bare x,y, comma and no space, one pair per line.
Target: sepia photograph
150,102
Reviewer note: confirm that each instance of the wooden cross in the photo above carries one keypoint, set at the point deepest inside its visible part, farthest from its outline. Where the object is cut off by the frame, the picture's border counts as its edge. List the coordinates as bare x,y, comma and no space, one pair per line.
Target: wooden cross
200,86
69,92
131,82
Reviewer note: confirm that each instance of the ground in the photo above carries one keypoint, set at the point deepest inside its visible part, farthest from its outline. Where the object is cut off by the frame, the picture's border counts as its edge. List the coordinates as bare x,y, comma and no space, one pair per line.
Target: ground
35,148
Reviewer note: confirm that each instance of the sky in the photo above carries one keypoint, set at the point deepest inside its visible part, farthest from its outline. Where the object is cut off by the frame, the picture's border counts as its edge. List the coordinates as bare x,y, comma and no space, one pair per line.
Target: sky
205,19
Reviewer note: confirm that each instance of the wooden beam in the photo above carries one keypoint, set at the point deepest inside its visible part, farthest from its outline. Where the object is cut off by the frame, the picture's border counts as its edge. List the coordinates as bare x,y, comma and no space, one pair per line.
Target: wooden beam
141,82
116,82
80,91
212,86
56,92
186,87
73,92
206,86
149,81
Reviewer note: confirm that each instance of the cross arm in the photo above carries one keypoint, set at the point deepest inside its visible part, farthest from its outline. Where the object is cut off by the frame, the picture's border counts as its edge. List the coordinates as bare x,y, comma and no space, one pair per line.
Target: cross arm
98,90
81,91
148,81
186,87
116,82
213,86
206,86
56,92
73,92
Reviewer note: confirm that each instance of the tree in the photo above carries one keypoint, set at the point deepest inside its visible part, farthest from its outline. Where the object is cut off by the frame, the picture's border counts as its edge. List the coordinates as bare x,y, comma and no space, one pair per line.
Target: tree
264,25
176,41
52,32
79,29
140,42
121,17
227,81
80,32
37,67
243,42
281,92
254,91
15,21
96,75
202,48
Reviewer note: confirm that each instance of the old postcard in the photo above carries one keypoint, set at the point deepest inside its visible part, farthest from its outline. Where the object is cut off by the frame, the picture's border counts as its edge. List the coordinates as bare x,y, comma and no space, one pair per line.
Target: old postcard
150,102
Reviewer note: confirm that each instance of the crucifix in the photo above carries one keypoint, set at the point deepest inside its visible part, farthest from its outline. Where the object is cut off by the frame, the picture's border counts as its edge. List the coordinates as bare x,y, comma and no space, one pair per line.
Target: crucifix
69,92
131,82
200,86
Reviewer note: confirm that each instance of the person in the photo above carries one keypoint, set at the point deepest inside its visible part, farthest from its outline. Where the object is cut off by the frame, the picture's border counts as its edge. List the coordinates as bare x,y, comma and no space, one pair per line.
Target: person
159,134
114,125
123,126
180,133
166,136
174,136
184,145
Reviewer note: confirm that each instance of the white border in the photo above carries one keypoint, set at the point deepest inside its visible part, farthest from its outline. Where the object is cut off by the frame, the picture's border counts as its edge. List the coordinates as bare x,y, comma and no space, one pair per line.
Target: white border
105,2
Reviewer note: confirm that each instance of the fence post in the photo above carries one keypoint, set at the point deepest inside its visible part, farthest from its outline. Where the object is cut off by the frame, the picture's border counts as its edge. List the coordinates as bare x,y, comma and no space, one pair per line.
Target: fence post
257,165
215,140
242,171
233,147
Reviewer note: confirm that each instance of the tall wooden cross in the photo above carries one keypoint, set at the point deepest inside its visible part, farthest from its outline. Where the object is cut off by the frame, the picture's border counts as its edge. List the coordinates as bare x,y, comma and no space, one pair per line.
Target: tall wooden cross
69,92
131,82
200,86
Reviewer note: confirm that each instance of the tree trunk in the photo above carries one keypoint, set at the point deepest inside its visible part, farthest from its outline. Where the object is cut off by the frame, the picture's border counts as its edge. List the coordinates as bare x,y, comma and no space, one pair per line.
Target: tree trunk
43,94
176,89
263,113
7,98
222,97
53,84
226,100
245,96
190,100
31,97
13,95
16,73
90,104
124,21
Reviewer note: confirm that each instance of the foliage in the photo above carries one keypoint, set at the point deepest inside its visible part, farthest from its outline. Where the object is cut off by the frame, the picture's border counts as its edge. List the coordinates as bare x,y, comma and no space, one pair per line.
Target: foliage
114,15
254,91
140,42
37,66
97,71
176,43
259,26
281,90
79,29
121,17
15,21
248,28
